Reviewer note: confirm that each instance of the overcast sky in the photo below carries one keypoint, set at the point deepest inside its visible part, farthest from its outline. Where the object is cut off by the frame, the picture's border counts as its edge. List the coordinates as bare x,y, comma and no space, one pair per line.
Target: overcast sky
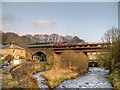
88,20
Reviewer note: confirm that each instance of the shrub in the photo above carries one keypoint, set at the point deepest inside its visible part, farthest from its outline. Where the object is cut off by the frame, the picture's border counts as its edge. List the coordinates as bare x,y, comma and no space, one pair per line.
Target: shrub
75,61
21,57
9,58
49,64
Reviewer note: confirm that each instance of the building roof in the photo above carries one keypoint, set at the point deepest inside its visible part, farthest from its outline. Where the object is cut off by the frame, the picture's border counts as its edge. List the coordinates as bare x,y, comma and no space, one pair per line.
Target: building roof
12,46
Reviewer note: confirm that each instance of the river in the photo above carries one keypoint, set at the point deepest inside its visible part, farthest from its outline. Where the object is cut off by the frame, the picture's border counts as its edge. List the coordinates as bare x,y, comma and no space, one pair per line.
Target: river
95,78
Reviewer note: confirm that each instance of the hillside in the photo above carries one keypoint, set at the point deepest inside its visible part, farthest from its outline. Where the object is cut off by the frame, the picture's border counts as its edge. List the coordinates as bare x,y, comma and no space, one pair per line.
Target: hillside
23,41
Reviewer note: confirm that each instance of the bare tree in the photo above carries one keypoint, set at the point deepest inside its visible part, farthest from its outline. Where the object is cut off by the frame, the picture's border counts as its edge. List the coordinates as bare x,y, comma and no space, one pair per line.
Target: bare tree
110,54
111,35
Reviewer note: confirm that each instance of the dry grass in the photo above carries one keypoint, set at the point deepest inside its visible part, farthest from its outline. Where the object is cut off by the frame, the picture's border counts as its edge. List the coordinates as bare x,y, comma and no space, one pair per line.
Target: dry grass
56,76
67,66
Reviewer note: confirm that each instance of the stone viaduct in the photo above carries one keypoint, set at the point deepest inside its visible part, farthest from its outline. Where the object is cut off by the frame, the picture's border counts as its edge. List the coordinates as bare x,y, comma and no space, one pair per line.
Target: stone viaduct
50,51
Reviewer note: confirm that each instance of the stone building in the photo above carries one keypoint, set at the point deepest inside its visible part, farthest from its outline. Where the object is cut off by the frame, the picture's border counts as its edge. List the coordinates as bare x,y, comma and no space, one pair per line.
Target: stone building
14,50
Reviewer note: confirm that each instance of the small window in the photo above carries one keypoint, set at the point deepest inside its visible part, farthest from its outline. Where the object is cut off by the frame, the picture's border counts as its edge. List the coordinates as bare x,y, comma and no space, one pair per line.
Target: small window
13,50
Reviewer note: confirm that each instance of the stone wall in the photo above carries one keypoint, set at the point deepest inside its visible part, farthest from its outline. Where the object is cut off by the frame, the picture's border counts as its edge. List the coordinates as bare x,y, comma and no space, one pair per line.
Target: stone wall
23,74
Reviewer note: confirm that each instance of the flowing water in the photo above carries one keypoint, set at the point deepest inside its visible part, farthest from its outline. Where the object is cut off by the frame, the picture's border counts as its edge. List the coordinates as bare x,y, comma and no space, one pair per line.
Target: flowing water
95,78
40,80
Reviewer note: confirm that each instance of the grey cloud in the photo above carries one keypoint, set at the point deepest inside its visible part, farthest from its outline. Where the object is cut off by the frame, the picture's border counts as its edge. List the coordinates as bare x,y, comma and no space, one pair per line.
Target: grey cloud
8,17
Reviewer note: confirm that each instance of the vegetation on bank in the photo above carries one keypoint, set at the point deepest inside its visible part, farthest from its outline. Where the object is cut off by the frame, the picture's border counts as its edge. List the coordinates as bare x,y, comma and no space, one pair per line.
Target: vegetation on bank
56,76
15,77
114,77
68,66
78,62
110,56
6,78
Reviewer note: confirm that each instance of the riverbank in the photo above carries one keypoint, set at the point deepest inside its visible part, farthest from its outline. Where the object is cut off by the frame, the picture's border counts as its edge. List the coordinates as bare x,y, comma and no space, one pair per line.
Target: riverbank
20,76
56,76
6,80
115,79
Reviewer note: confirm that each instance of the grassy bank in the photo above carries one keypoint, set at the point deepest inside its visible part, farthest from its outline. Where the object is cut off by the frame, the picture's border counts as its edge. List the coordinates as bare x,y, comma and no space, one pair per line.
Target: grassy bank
114,77
56,76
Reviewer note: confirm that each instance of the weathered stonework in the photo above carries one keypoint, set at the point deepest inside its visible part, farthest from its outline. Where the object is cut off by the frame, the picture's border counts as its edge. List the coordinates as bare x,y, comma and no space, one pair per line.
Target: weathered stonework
23,74
47,51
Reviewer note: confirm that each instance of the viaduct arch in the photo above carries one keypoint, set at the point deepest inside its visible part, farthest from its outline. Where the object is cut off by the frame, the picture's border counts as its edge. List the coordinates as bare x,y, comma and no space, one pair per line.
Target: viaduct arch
93,64
39,55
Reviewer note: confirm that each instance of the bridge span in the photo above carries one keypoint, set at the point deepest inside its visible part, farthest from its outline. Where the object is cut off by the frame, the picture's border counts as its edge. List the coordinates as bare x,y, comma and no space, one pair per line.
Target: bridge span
48,51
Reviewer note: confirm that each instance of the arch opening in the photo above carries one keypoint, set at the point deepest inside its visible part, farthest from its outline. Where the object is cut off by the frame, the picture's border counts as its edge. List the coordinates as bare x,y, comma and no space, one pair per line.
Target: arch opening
40,56
92,64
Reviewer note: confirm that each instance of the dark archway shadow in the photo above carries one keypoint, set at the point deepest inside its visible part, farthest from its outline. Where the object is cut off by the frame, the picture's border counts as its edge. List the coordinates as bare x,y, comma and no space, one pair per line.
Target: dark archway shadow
85,53
39,56
92,64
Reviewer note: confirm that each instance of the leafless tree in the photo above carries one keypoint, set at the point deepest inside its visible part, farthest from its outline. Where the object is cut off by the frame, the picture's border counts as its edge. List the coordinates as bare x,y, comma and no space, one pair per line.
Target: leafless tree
110,54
